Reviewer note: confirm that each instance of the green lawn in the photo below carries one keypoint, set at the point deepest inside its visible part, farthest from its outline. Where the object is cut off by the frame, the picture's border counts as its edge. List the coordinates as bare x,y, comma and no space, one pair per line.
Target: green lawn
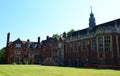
37,70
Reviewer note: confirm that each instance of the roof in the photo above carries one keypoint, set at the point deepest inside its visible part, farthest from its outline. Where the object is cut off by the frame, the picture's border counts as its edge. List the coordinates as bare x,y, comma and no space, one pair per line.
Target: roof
49,41
84,31
79,32
28,44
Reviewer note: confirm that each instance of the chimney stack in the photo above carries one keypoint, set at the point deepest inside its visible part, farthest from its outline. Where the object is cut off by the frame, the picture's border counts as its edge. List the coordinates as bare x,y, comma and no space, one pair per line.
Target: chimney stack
38,39
64,35
47,37
8,38
28,40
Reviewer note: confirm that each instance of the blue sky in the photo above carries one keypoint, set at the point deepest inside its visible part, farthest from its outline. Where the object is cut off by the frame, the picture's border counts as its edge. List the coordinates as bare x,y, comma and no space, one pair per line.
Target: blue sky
28,19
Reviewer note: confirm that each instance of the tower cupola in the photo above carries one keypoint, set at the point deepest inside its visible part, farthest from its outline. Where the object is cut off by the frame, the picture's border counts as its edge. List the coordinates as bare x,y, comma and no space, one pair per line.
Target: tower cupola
92,22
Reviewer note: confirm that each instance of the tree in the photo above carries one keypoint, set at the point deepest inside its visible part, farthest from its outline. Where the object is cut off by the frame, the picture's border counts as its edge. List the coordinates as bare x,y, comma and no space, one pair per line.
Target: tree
56,36
70,32
2,56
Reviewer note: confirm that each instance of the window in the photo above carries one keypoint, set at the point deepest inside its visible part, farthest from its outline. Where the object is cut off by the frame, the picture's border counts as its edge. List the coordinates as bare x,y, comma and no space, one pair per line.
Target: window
68,48
27,45
94,60
17,59
101,61
100,44
33,45
76,47
17,51
107,44
39,45
84,46
17,45
59,45
93,45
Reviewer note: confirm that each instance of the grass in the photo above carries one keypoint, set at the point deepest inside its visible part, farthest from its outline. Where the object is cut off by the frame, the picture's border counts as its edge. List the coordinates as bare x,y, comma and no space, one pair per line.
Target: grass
37,70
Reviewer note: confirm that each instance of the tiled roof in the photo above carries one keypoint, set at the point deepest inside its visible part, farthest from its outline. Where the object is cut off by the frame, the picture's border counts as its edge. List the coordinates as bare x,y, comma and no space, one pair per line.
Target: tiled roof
29,44
84,31
110,23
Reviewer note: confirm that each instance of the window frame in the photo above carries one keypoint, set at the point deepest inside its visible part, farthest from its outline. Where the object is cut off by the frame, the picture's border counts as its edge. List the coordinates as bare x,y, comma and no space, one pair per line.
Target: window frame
17,51
18,45
84,46
94,45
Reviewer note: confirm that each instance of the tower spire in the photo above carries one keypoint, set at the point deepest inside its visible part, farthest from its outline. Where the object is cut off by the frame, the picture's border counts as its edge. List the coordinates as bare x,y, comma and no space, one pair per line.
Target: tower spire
91,20
91,8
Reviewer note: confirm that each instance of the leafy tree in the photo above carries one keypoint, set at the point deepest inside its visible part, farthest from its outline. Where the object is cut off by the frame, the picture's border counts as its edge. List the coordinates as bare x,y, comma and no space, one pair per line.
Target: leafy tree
56,36
2,56
70,32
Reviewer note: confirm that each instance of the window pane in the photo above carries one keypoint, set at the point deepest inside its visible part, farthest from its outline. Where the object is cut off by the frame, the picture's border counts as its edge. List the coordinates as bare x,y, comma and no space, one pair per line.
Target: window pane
84,46
107,43
18,45
93,45
27,45
75,46
18,51
100,44
17,59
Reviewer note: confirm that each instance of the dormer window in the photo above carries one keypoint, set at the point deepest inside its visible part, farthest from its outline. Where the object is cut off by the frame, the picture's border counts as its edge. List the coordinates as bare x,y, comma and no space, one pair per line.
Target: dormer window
27,45
17,52
39,46
33,45
17,45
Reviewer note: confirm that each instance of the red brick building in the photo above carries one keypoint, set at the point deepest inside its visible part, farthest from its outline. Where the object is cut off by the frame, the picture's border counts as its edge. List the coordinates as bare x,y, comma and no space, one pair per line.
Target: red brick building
94,46
52,49
20,51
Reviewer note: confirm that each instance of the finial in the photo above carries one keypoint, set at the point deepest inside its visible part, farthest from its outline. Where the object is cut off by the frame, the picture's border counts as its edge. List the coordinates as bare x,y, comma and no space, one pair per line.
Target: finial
91,8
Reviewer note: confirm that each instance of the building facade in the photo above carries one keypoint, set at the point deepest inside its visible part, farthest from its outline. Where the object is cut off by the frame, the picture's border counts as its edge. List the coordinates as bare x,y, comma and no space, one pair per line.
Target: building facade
97,45
38,52
22,51
94,46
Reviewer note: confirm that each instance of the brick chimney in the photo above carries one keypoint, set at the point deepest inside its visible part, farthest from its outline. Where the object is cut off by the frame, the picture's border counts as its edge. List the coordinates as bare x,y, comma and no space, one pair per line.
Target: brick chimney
8,38
38,39
28,40
47,37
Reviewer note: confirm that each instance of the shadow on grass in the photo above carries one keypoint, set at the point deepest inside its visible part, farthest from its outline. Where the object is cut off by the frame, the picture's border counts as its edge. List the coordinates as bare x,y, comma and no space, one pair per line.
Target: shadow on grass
94,67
